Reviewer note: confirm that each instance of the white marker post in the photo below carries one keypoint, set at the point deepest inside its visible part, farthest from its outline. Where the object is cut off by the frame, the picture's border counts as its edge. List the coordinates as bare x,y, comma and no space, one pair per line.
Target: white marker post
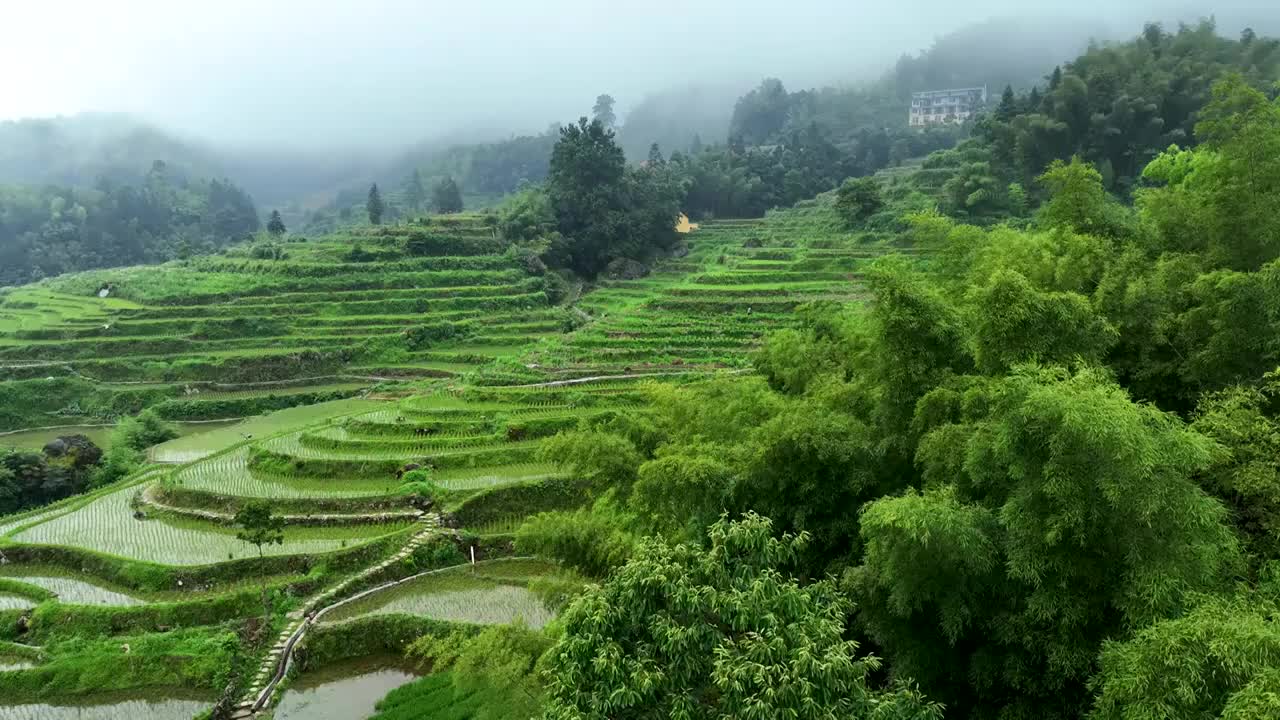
473,554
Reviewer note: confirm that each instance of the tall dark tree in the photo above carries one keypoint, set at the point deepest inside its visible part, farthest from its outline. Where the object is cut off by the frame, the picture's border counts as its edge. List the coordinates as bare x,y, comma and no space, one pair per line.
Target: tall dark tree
275,225
374,205
415,193
602,111
655,155
603,211
446,197
1008,106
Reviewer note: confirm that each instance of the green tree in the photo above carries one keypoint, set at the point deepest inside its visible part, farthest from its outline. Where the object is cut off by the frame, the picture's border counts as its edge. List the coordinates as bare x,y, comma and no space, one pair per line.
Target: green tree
527,216
592,541
1219,660
275,225
1060,513
446,197
11,499
761,114
920,338
1008,106
492,676
143,431
585,185
858,199
259,526
655,156
684,490
603,210
714,633
1219,199
415,192
374,205
1013,322
1076,198
602,111
1245,472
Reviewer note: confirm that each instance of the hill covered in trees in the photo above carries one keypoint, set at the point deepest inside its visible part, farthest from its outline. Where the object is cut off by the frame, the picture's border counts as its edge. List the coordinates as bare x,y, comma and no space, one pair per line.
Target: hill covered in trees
47,230
1117,106
923,445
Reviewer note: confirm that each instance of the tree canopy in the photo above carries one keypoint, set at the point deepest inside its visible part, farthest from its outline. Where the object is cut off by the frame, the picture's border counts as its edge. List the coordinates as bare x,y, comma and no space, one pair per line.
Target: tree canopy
605,210
47,230
721,632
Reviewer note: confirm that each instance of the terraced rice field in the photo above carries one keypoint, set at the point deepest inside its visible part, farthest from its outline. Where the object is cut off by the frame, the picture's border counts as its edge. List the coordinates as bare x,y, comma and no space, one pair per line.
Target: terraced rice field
484,371
70,588
213,335
108,525
220,436
14,602
710,309
154,707
460,595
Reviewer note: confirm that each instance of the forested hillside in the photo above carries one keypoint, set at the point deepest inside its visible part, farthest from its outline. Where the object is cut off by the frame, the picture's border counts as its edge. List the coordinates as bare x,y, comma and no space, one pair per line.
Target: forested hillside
746,152
966,422
1035,464
46,230
1117,106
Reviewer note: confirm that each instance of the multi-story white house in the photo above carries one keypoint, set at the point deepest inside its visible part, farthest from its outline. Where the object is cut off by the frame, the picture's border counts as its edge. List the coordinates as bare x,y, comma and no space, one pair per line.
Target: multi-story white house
936,107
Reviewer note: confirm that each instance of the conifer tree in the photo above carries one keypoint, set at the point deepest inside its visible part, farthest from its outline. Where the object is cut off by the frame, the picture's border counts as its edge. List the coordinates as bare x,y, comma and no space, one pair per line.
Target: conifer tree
446,196
374,205
603,111
275,225
655,155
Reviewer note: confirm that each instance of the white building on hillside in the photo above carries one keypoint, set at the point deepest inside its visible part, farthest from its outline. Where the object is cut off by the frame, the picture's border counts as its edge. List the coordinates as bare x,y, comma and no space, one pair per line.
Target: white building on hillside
937,107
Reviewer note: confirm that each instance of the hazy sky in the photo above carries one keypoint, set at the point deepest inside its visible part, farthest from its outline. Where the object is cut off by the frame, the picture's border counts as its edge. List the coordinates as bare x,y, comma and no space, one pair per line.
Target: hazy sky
380,72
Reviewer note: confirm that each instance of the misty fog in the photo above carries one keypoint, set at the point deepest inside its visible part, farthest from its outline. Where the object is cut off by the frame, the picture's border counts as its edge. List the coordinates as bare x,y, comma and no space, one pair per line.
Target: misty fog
295,74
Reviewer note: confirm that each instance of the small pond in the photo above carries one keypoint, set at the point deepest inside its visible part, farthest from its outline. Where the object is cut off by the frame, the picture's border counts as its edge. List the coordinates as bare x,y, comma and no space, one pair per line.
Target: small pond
37,439
99,434
154,705
345,691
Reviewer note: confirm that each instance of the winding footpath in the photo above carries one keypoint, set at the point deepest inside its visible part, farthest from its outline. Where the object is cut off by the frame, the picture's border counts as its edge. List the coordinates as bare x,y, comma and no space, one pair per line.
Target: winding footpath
275,666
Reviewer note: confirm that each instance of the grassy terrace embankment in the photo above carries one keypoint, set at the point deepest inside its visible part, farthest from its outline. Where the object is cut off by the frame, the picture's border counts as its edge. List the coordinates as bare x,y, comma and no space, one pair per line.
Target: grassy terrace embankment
479,355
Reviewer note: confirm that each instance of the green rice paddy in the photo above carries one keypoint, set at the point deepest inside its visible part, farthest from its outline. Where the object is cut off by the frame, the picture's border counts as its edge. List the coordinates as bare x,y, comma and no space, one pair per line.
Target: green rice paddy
152,706
460,595
108,525
69,588
469,402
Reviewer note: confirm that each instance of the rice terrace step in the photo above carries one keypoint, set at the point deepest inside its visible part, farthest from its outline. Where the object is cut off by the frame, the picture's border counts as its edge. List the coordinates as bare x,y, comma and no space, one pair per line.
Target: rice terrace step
383,414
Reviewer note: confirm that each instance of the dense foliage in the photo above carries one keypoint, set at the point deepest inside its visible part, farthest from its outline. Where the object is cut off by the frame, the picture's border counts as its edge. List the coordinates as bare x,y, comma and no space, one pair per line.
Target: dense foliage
1117,106
1025,468
723,632
64,467
48,230
1041,465
604,210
